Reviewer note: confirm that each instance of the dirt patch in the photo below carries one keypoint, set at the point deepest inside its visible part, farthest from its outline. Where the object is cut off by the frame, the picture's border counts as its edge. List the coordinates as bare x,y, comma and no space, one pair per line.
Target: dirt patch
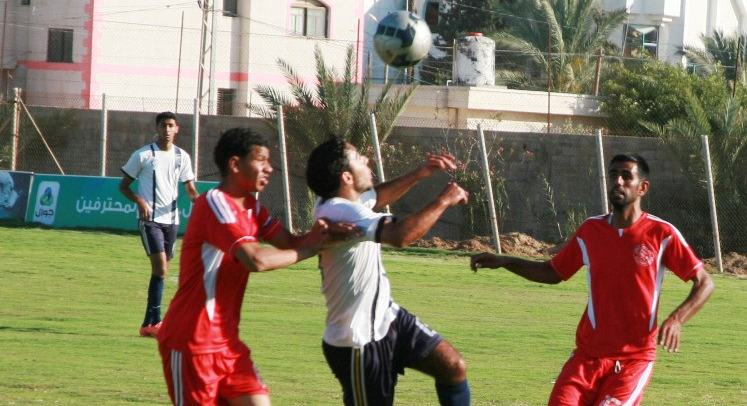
735,264
513,243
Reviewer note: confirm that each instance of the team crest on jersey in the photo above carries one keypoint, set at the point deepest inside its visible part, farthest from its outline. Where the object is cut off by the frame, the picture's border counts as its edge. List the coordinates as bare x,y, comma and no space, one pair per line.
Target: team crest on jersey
610,401
643,255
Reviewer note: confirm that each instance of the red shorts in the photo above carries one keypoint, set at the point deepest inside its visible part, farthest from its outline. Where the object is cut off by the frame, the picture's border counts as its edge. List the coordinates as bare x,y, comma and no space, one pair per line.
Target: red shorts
209,379
601,382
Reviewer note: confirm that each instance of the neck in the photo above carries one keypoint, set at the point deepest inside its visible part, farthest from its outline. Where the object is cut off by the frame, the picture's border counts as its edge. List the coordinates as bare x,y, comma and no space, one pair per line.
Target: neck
348,193
626,216
235,192
164,145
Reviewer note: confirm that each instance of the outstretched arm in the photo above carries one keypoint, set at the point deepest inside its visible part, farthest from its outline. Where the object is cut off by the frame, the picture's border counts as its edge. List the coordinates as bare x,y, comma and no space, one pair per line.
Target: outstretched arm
258,258
404,232
390,191
535,271
669,333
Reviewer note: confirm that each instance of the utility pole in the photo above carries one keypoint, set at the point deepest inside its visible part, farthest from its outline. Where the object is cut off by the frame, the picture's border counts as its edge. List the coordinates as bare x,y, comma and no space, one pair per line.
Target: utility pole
204,4
736,67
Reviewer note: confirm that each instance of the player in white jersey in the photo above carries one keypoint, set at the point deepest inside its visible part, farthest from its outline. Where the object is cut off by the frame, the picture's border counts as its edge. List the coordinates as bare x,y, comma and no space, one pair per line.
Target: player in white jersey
158,167
370,339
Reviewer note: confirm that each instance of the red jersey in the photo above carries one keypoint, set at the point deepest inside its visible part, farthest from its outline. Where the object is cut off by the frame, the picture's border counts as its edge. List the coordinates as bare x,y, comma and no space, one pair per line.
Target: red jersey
624,271
204,314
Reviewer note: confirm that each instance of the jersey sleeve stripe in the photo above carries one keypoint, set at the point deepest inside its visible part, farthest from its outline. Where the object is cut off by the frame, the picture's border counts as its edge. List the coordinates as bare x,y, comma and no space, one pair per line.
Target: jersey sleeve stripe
220,207
235,245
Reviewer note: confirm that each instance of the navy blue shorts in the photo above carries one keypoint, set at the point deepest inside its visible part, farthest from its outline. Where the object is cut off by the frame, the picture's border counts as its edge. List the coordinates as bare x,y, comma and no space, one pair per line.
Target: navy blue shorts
368,375
157,237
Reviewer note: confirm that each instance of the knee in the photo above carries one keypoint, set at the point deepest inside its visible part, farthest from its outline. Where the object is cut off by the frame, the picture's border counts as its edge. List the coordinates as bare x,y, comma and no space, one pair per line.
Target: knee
456,370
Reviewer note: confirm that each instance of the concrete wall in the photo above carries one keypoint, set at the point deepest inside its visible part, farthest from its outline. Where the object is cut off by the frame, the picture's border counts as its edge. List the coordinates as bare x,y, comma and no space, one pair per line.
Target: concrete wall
535,169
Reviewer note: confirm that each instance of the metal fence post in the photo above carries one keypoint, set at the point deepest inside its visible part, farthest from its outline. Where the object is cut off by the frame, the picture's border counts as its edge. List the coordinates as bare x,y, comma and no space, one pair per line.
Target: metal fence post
196,136
104,133
712,203
602,173
489,188
16,128
284,165
377,151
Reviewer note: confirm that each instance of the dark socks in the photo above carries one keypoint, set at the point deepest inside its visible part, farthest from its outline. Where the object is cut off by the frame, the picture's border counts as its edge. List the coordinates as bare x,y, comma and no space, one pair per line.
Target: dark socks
457,395
155,292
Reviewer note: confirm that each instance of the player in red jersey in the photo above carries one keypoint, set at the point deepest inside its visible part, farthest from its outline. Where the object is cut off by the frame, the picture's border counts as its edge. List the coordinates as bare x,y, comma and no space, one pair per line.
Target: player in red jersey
625,254
204,361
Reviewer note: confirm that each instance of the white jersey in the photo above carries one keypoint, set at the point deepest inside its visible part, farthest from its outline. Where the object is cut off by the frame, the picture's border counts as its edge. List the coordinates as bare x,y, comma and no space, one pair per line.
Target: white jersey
354,282
159,173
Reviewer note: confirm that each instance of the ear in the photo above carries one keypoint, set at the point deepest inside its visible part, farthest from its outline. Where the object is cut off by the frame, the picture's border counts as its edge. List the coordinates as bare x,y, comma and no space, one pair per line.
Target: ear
346,178
643,188
233,164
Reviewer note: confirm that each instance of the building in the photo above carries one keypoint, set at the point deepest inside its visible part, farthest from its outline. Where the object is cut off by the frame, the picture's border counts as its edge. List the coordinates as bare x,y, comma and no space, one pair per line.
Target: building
155,55
662,27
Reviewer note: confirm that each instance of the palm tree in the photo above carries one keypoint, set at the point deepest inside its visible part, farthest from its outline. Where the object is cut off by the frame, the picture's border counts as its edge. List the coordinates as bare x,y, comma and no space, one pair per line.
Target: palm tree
718,49
573,30
334,106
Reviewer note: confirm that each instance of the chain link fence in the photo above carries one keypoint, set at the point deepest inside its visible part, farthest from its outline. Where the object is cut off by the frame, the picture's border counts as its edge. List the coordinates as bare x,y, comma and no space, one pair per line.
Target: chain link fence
544,184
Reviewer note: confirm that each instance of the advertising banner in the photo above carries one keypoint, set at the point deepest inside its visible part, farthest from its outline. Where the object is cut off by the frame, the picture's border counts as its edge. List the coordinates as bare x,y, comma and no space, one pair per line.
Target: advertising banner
92,202
14,194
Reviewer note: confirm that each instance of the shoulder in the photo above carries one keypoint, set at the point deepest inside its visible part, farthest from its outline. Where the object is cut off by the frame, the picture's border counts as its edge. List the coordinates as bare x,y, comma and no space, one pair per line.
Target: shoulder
340,209
601,220
218,204
664,227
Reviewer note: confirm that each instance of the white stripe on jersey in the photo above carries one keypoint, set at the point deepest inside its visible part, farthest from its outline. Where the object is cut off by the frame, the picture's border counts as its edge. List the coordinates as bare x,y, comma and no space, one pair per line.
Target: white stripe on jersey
211,260
221,209
638,391
176,377
676,231
590,305
659,281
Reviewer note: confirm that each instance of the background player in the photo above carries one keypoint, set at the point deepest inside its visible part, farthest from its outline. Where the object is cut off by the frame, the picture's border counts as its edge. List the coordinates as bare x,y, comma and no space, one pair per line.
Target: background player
369,339
625,253
158,167
204,361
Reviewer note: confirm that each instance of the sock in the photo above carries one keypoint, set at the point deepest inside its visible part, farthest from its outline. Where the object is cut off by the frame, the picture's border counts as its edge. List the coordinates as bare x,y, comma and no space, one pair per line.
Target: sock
153,309
457,395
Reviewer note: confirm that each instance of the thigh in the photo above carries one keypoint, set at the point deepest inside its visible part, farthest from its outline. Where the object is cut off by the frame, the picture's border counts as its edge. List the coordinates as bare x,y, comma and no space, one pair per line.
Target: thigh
626,383
152,237
170,232
191,380
415,341
365,374
242,377
577,383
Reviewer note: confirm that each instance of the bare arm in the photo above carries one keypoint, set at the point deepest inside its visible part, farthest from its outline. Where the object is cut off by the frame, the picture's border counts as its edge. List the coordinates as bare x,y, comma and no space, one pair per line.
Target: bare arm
390,191
535,271
142,205
290,249
191,190
669,333
414,226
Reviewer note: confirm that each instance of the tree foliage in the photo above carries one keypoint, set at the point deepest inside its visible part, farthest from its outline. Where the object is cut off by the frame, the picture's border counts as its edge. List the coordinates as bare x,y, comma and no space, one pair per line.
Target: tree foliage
718,52
335,105
573,31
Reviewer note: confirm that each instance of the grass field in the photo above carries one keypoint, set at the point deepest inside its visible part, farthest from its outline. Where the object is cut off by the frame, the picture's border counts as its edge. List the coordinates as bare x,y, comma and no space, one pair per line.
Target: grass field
72,303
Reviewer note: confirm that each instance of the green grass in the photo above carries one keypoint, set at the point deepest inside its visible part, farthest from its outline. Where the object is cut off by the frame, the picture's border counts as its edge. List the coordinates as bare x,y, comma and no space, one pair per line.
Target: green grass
72,302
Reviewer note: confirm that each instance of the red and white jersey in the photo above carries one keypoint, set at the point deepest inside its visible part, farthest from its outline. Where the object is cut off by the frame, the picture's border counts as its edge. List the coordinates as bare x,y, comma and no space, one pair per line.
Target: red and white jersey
624,271
204,314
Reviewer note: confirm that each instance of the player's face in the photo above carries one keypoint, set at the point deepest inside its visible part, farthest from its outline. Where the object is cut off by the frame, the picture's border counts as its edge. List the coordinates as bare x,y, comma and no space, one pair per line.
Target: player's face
255,168
167,130
626,186
358,167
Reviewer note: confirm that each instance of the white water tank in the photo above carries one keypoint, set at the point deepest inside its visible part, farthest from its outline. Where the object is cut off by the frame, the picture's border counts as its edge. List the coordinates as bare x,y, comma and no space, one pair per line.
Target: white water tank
474,60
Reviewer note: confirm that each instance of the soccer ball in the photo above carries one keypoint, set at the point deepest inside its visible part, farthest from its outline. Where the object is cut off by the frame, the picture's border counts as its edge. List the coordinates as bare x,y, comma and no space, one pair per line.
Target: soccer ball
402,39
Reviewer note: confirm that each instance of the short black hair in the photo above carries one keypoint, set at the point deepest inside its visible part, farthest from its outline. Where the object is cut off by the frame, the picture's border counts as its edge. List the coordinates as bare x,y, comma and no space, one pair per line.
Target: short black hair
239,141
643,170
165,116
325,165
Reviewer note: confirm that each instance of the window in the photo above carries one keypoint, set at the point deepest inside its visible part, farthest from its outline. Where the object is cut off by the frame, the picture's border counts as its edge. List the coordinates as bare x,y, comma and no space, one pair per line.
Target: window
226,98
60,45
230,8
309,18
641,38
431,15
25,2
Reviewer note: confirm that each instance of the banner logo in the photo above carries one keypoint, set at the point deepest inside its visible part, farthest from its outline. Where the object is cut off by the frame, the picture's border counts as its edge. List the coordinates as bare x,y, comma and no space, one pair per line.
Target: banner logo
46,202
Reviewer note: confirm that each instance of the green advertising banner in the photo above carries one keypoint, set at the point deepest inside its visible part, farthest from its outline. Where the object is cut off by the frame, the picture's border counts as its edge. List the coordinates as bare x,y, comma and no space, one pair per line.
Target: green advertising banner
92,202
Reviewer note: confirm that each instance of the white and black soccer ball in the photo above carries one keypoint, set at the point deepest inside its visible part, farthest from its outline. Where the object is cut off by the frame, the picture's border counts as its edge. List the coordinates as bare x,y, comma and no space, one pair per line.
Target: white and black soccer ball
402,39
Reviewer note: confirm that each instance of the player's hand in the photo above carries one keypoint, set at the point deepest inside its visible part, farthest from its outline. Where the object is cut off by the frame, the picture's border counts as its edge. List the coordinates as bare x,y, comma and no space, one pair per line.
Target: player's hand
342,231
143,209
453,194
436,162
669,335
318,234
486,260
